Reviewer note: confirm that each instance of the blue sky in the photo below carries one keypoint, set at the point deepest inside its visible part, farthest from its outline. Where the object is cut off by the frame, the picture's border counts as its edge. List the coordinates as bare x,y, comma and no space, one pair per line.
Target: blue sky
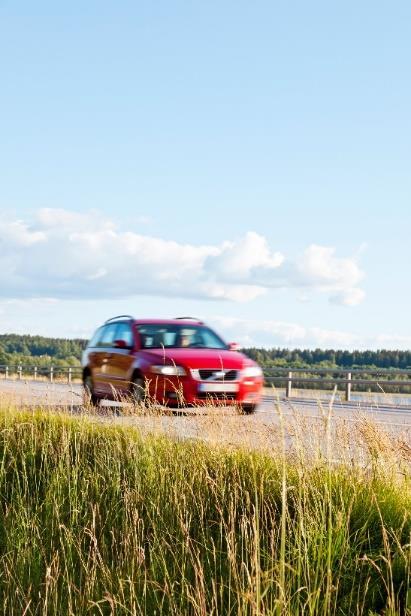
245,162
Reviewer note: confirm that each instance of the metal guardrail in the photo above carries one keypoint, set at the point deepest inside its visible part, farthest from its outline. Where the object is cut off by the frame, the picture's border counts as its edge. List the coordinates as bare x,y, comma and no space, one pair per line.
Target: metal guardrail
281,377
345,379
51,373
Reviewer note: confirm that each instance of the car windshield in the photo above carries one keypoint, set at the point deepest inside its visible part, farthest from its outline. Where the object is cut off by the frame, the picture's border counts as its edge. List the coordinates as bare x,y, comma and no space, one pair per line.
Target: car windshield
157,336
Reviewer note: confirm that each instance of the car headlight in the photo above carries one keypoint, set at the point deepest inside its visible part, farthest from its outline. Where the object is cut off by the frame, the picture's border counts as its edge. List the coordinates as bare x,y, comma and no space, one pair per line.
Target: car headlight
252,371
168,370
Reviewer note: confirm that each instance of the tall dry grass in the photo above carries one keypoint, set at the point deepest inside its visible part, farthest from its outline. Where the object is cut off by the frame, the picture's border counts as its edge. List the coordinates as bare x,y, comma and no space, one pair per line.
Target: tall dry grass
103,519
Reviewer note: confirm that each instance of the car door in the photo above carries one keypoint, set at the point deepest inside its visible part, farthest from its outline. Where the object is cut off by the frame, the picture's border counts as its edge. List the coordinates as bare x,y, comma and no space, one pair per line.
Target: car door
119,365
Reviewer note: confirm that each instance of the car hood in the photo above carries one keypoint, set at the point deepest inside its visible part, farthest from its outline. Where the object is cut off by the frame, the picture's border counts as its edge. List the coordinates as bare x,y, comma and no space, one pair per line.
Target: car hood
218,359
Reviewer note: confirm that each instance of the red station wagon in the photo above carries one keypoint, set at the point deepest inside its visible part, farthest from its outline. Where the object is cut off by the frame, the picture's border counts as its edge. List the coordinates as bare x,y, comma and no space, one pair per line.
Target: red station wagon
172,362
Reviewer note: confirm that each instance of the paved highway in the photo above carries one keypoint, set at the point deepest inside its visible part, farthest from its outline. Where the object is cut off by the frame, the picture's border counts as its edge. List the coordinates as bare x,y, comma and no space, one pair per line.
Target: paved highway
299,426
48,394
195,422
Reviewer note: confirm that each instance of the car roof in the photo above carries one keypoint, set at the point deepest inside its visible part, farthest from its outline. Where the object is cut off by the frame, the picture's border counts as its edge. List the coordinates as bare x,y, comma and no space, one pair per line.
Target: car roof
167,322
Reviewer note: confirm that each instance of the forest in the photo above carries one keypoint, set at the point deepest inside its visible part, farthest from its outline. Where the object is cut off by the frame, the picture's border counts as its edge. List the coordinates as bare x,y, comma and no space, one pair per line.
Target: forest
42,352
330,358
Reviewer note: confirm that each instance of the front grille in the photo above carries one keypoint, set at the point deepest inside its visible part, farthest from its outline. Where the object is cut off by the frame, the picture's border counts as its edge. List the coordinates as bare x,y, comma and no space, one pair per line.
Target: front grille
217,375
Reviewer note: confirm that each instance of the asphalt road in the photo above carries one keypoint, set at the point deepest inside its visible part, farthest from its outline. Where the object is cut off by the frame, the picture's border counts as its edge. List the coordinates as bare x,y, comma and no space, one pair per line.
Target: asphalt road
37,393
304,427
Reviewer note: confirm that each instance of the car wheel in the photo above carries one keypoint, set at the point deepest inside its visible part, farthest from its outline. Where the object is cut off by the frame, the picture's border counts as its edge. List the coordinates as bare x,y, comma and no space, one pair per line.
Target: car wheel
138,390
90,398
248,409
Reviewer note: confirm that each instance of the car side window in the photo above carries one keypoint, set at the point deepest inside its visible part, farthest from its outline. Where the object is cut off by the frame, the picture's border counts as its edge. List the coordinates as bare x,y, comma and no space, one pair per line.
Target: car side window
124,332
108,335
95,338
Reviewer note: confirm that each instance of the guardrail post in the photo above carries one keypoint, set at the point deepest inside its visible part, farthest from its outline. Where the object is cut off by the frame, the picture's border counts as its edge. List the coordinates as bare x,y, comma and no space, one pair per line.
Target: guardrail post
35,373
289,385
348,387
19,371
69,376
51,374
6,373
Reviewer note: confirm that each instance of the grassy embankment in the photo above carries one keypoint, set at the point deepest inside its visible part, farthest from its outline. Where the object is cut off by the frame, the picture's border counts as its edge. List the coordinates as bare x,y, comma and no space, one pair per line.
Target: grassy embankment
97,519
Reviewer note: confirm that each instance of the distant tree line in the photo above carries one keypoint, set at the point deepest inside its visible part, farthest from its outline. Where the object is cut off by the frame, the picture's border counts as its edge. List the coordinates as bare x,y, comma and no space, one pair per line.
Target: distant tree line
335,359
42,351
330,358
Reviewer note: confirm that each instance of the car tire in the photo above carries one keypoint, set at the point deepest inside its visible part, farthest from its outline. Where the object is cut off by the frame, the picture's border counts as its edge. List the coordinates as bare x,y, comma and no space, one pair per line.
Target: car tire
138,390
248,409
90,398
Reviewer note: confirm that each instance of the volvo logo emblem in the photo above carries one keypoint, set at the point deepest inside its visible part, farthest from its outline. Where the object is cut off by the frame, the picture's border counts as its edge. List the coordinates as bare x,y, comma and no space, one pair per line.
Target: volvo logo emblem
219,375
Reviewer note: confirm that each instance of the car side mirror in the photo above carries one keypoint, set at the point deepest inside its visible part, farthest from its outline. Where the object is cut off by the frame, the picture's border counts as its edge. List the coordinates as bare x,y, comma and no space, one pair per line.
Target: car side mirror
233,346
121,344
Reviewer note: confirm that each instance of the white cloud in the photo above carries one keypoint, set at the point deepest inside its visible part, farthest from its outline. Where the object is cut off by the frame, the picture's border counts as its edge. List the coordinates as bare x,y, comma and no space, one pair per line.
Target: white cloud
270,333
66,254
348,297
245,259
319,267
52,218
17,233
392,341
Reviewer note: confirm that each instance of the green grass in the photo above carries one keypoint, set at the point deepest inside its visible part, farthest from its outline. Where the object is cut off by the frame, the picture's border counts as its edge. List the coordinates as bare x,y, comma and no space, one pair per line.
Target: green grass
101,520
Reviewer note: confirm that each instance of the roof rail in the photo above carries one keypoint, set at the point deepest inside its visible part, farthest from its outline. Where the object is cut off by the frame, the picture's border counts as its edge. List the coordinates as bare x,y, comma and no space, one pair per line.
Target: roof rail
189,319
120,316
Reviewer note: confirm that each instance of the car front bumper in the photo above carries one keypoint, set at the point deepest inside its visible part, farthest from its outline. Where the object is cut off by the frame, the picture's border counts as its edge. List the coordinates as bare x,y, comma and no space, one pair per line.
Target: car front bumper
175,391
